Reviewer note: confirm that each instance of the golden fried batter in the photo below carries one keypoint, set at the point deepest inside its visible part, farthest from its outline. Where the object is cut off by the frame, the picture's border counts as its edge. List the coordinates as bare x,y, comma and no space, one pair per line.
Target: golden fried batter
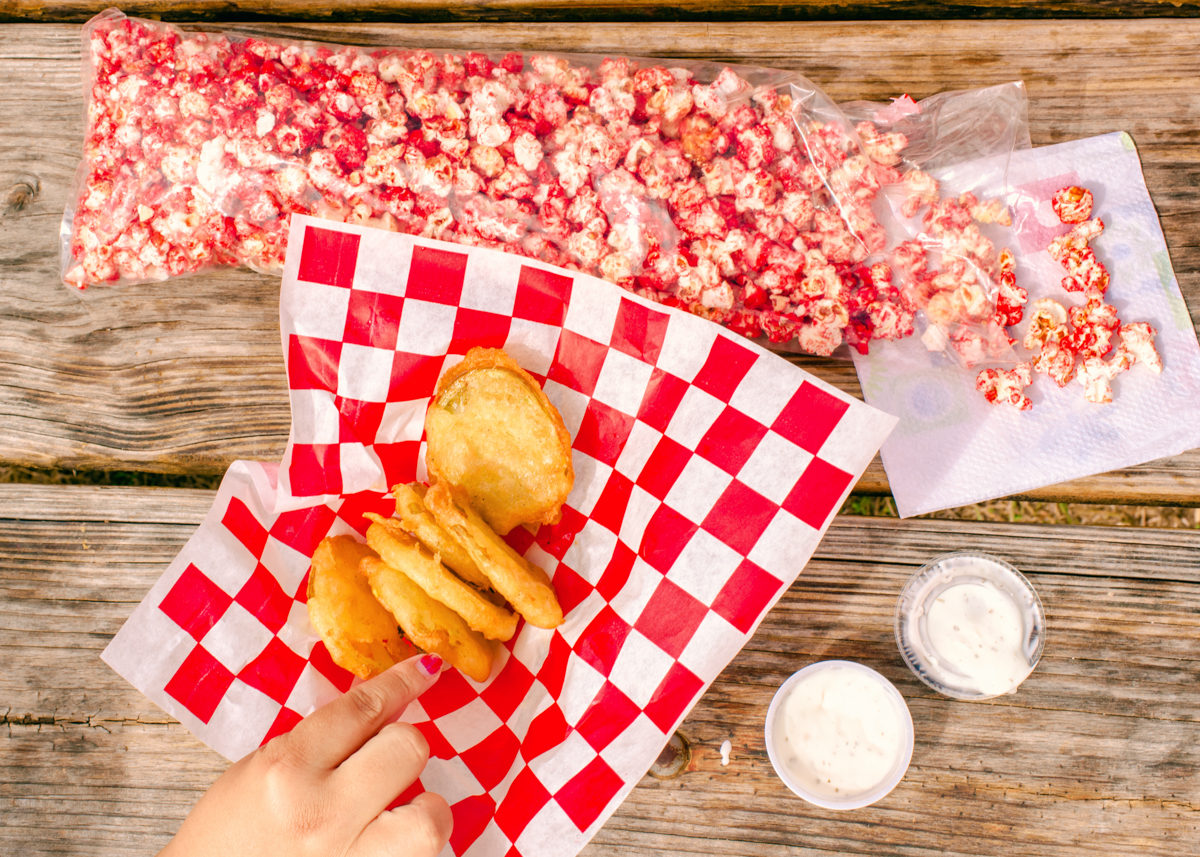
493,434
416,520
527,587
430,624
401,551
360,634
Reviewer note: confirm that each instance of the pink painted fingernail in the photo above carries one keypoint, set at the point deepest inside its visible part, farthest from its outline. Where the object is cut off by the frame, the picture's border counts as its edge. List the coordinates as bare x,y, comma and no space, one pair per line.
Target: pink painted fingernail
431,665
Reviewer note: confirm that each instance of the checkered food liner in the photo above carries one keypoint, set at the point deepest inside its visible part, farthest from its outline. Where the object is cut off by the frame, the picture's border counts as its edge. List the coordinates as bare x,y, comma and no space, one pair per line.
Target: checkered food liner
706,468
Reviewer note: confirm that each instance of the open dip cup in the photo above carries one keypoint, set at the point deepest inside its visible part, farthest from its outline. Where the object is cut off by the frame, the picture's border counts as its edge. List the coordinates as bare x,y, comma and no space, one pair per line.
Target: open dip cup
839,734
970,626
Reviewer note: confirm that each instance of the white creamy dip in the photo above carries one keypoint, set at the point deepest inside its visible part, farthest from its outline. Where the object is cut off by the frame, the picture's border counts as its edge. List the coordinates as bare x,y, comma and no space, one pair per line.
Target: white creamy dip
976,631
970,625
840,731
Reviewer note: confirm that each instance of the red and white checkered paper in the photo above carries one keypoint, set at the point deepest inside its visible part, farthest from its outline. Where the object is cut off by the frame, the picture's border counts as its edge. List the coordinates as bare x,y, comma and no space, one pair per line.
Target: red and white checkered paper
706,471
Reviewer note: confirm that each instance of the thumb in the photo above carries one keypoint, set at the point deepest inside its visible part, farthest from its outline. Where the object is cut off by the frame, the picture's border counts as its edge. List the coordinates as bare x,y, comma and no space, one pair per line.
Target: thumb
329,735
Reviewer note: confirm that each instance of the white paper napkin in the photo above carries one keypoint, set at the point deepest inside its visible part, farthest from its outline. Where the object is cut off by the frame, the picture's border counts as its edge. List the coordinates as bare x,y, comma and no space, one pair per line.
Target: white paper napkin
951,447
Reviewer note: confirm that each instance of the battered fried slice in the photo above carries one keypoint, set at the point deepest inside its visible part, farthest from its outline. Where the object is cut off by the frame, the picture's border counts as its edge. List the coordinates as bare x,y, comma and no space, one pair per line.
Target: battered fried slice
404,553
360,634
416,520
430,624
527,587
492,433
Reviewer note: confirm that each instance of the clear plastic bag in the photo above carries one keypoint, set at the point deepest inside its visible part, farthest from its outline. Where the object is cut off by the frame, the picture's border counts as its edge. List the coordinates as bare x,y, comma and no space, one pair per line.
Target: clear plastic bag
741,194
946,249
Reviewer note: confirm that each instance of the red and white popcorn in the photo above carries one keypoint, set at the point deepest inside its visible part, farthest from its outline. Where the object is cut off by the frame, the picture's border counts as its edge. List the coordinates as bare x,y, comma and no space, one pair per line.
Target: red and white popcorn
1137,346
1096,375
1010,298
1092,329
1002,451
724,197
1047,321
1085,272
1072,204
881,148
921,189
1006,386
1077,342
952,271
1056,359
1048,336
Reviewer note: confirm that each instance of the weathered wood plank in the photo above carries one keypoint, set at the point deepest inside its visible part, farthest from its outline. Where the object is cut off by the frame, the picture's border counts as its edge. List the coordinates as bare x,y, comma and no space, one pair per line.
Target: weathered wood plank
597,10
187,376
1101,745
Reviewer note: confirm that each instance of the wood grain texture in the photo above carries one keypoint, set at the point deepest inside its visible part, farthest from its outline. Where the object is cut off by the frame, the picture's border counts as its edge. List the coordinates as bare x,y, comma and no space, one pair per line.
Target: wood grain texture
595,10
187,376
1100,749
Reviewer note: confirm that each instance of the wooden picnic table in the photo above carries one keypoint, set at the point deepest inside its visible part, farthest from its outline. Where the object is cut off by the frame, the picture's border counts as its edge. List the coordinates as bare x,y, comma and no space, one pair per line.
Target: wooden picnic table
1099,752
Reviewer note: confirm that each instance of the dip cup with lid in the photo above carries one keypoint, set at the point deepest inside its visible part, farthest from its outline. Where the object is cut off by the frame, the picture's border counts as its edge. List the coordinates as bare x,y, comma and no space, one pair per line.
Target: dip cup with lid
839,734
970,625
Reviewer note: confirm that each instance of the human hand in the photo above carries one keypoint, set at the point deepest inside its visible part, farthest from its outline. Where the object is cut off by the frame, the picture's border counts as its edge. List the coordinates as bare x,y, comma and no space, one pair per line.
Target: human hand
324,788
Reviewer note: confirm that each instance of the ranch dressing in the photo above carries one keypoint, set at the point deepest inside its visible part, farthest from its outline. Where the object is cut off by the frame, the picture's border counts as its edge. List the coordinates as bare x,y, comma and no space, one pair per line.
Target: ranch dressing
839,732
975,630
970,625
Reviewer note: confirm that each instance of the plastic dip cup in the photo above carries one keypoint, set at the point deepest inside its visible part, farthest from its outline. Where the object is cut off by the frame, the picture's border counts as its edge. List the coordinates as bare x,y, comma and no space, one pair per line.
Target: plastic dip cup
970,625
839,734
